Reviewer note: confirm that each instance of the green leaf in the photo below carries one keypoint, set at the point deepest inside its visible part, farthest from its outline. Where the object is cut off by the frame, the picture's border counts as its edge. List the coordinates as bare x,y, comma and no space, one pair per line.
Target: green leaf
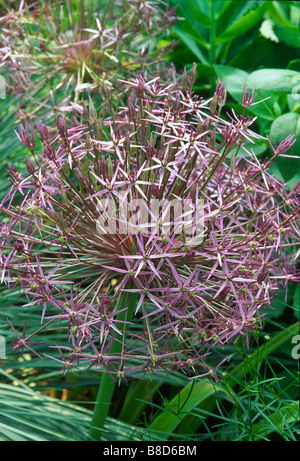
277,80
235,79
294,65
282,127
135,402
276,422
193,11
192,40
27,415
288,35
196,395
244,24
254,360
180,406
293,101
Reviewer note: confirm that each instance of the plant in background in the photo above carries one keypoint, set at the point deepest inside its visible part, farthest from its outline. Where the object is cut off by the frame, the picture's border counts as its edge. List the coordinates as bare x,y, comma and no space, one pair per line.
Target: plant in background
54,54
254,43
216,32
146,236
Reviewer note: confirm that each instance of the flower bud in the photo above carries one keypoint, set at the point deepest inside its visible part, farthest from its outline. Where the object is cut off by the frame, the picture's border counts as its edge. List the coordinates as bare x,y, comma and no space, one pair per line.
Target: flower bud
43,131
192,75
155,190
140,90
106,92
30,166
150,150
86,114
131,105
92,109
213,104
62,127
24,137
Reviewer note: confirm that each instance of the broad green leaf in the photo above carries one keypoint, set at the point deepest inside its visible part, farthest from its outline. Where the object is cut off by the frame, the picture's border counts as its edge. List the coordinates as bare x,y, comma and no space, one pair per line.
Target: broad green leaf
280,12
282,127
267,31
195,395
232,11
281,301
244,24
294,65
268,107
193,11
293,101
288,35
296,303
192,41
226,5
134,403
277,80
235,79
188,398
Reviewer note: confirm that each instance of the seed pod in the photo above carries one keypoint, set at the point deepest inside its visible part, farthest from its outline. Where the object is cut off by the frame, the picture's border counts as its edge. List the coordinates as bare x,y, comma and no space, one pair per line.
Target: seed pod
43,131
106,92
30,166
213,104
126,144
103,166
86,114
92,109
62,127
212,140
131,105
192,74
184,80
140,90
61,221
150,150
262,276
176,104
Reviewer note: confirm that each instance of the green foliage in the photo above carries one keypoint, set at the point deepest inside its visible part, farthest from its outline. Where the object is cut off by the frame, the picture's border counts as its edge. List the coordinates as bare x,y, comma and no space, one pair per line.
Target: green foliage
11,150
255,399
201,395
252,43
216,31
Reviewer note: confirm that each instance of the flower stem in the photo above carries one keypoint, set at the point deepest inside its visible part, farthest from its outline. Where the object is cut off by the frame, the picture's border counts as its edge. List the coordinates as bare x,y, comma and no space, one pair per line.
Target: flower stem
107,386
138,396
101,409
212,38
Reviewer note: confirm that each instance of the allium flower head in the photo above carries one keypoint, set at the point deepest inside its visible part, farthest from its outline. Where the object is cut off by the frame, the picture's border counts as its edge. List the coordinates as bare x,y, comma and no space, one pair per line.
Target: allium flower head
149,230
52,59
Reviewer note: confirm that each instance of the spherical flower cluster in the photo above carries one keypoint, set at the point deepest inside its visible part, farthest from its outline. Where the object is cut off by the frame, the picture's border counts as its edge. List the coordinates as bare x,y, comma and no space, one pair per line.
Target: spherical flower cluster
153,235
51,60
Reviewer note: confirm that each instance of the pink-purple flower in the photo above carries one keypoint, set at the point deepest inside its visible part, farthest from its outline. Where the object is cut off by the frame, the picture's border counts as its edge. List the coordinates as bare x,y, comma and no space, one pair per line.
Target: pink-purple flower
153,234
